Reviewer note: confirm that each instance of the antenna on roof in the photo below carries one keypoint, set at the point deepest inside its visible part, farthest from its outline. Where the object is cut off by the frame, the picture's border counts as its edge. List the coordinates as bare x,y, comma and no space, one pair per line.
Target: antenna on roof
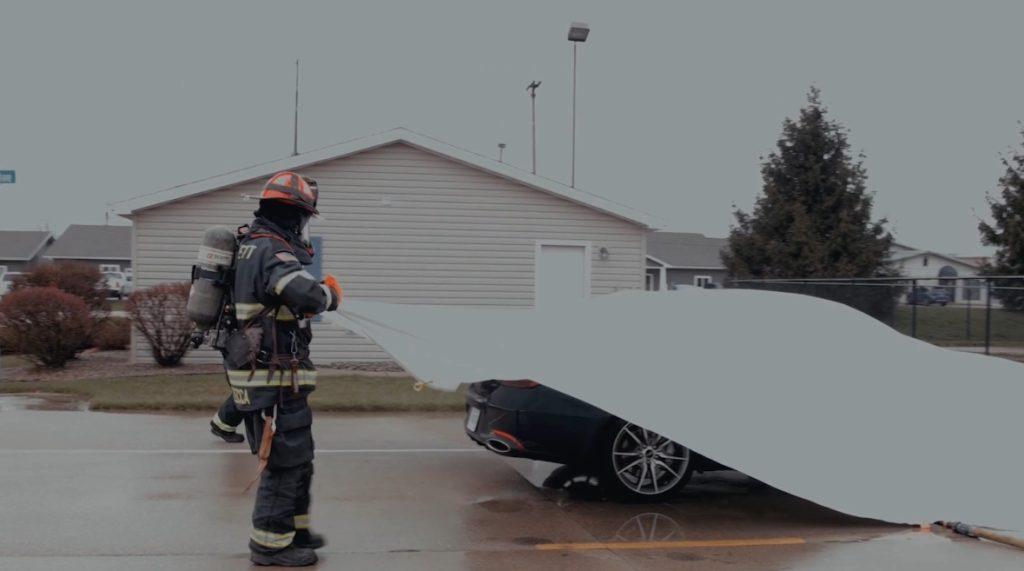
295,137
532,88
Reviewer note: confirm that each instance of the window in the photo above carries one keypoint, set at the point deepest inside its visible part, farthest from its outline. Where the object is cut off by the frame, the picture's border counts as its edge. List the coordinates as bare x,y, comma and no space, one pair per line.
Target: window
924,261
972,290
110,268
702,281
317,267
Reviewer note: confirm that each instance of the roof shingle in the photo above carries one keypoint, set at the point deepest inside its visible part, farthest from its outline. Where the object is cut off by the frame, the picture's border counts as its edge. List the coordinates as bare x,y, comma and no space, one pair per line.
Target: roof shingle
22,245
83,241
686,249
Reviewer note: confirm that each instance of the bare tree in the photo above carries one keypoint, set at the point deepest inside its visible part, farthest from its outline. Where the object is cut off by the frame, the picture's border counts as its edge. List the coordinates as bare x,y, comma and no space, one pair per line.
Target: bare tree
159,315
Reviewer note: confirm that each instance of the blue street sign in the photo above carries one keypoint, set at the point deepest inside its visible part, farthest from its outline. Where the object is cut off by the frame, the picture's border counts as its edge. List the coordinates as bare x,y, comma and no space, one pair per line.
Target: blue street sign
6,177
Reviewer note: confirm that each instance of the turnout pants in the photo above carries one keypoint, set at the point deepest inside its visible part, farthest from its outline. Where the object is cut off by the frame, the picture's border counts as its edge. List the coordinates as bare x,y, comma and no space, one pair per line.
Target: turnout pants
282,500
228,416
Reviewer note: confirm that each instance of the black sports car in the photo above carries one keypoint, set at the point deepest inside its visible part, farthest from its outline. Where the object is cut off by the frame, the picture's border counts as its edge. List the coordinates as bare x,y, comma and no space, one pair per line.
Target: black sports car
528,420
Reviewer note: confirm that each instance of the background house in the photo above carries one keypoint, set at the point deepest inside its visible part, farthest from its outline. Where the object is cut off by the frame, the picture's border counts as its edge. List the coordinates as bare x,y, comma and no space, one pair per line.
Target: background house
937,269
409,219
683,258
21,249
109,247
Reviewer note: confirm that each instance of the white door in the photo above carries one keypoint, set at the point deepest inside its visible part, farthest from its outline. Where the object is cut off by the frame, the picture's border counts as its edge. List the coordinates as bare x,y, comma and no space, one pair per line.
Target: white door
563,273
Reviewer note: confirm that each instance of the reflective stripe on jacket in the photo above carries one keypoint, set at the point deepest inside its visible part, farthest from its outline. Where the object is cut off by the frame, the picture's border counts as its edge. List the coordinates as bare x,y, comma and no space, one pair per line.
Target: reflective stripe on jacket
273,286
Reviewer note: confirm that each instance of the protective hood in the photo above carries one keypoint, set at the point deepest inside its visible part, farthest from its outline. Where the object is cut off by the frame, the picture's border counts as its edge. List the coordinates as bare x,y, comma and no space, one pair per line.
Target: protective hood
303,251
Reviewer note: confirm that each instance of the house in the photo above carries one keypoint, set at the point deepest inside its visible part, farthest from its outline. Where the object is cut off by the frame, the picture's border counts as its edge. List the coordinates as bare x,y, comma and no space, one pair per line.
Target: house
936,269
22,249
109,247
407,218
683,258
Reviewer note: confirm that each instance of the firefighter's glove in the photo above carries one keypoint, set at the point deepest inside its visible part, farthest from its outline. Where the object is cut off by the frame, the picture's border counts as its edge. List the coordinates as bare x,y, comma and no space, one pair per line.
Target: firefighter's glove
331,284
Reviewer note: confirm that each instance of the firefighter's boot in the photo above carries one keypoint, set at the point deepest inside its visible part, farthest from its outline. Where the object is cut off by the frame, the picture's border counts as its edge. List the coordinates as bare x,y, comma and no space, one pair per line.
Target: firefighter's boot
309,540
228,436
290,556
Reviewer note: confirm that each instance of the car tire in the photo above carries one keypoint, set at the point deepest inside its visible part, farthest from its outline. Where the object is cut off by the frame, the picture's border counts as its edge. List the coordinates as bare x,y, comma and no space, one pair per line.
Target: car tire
624,444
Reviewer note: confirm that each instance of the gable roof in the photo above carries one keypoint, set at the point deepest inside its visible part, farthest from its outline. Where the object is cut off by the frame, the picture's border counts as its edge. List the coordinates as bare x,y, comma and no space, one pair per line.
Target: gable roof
907,254
398,135
22,245
90,242
686,250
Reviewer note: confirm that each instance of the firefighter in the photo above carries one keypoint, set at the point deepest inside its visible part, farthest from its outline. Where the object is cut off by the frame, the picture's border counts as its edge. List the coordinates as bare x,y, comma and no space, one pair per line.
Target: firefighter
274,297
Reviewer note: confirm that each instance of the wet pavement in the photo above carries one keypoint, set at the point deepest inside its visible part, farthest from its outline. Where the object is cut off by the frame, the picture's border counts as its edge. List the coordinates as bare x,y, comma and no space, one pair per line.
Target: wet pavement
84,490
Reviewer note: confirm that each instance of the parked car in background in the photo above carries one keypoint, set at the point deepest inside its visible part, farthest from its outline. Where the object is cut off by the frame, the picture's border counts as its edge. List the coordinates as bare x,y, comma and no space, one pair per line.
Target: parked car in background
117,284
940,295
928,296
6,280
528,420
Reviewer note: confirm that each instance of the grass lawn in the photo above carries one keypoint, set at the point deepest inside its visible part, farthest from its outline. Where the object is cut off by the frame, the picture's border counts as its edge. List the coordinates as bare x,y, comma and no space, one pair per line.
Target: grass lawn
949,325
206,392
11,361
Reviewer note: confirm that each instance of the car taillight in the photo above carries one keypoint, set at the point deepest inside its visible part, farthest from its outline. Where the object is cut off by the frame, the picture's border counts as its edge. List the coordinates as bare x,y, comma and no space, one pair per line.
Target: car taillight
520,384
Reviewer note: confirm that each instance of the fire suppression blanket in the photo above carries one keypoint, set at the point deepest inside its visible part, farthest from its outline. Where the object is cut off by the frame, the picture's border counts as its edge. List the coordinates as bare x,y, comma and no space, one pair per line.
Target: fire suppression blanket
809,396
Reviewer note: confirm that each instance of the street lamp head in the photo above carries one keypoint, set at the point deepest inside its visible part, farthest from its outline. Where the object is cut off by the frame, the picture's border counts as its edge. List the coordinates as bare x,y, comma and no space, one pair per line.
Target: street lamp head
578,32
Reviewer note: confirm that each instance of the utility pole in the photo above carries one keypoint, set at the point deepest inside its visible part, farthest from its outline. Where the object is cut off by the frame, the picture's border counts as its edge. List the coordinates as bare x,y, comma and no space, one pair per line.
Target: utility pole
295,136
578,32
501,152
532,88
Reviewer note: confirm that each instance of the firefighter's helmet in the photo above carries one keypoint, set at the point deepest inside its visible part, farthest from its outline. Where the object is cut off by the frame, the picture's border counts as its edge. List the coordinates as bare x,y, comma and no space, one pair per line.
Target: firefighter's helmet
290,188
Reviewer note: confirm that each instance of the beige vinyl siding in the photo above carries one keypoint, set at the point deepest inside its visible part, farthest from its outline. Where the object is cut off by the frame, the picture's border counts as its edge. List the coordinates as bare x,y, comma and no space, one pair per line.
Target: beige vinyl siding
407,226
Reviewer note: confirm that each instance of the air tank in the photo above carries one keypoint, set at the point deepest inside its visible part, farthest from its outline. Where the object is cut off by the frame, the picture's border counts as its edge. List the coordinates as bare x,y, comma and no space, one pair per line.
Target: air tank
206,298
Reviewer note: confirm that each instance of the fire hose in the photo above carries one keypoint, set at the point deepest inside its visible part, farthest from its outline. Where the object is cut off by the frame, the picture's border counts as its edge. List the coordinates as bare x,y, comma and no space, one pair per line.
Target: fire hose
981,533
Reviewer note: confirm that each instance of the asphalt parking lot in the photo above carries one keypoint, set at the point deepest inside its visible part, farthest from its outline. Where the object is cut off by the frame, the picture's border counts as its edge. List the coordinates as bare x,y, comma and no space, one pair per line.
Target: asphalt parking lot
84,490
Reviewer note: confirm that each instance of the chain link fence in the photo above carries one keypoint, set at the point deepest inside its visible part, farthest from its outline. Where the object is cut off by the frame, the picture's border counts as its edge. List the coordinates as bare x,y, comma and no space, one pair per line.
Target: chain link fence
982,314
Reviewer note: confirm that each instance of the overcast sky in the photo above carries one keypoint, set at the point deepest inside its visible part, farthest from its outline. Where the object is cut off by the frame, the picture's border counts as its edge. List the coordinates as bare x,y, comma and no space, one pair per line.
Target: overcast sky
100,101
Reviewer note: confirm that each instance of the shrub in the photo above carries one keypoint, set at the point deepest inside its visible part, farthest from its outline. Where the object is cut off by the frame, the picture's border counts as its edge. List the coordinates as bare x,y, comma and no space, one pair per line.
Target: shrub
47,325
159,315
112,334
76,278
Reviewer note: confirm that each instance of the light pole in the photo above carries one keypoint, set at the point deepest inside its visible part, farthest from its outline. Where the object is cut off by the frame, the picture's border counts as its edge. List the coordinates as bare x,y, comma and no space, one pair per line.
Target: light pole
578,32
532,88
295,132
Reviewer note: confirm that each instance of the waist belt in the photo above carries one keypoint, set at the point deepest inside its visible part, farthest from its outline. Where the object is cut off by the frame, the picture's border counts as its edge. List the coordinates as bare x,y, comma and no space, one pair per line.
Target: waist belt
268,378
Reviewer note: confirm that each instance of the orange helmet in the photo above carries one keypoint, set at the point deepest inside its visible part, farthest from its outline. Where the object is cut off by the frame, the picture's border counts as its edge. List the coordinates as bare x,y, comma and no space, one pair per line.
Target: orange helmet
290,188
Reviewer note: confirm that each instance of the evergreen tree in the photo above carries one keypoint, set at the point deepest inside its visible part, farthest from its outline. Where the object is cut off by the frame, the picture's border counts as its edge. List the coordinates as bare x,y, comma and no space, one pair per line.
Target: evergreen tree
1006,232
813,219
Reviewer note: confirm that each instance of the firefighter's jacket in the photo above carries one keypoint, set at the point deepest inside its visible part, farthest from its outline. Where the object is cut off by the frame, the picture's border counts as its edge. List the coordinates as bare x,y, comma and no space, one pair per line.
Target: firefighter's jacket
274,293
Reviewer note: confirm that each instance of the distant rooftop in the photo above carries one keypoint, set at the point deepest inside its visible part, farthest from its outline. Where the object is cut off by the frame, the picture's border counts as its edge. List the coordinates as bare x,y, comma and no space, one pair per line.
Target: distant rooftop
22,245
88,242
686,249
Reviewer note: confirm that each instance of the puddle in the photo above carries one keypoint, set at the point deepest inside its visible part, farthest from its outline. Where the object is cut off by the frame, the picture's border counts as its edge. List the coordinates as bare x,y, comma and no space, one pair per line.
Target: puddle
503,506
42,401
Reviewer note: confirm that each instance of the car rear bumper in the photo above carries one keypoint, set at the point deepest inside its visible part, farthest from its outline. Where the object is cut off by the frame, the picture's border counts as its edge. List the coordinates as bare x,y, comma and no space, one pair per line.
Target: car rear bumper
522,423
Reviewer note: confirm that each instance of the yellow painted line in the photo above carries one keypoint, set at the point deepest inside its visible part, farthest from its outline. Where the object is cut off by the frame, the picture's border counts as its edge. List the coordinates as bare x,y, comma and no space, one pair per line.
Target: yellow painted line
764,542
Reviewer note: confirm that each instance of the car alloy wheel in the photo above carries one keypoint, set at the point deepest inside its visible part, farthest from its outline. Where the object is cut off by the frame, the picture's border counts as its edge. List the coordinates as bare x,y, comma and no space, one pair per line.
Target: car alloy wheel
647,463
